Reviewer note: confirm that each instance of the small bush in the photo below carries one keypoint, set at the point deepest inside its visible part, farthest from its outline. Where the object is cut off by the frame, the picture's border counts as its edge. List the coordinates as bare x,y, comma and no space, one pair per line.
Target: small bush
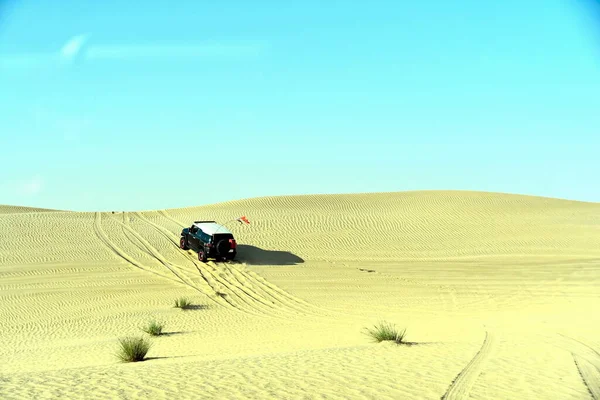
385,331
154,328
133,349
183,302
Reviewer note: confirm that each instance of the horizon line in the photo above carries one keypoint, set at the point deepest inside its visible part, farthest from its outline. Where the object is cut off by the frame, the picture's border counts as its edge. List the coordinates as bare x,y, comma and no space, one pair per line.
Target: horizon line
43,209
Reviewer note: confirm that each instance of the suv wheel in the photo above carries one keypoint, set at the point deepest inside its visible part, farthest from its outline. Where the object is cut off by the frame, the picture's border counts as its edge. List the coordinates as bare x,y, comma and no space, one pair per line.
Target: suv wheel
183,244
202,256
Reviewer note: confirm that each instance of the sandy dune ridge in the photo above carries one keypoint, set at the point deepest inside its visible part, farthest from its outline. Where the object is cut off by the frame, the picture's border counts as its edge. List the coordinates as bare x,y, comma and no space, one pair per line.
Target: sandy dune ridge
22,210
498,292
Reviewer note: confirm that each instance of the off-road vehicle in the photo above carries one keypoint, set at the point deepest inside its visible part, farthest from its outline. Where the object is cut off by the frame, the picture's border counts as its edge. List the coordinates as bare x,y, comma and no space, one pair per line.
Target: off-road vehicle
209,240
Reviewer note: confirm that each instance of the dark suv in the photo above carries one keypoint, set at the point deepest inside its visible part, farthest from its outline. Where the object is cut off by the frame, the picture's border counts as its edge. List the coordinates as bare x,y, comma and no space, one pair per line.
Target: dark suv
209,240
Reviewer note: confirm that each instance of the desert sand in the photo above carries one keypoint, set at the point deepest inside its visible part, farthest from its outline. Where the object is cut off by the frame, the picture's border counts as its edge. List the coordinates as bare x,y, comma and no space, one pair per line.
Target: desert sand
499,295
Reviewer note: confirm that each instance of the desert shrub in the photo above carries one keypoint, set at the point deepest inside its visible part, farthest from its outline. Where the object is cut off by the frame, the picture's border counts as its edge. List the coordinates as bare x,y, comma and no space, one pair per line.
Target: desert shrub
385,331
154,328
133,349
183,302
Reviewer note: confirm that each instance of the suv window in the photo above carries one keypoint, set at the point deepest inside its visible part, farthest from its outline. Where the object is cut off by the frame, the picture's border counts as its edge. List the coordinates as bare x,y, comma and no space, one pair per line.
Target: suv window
205,238
220,236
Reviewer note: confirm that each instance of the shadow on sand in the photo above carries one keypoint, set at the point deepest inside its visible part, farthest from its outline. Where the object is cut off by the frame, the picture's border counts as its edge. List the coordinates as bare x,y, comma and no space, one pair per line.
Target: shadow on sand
173,333
164,358
253,255
194,307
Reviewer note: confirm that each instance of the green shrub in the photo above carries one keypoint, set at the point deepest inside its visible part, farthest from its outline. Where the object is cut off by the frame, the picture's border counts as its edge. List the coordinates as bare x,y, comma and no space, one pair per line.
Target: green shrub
183,302
133,349
154,328
385,331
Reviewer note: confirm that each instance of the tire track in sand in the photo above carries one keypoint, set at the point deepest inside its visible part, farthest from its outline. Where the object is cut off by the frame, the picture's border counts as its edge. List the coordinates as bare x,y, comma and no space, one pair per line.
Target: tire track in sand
587,361
165,214
462,384
589,375
177,270
258,282
151,251
241,294
222,287
121,253
239,279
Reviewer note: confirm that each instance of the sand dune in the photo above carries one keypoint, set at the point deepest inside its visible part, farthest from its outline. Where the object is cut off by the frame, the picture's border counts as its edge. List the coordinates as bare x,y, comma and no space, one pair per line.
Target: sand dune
21,210
498,292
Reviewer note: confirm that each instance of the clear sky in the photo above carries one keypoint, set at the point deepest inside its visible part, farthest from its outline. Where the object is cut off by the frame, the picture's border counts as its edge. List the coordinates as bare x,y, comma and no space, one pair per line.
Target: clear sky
114,105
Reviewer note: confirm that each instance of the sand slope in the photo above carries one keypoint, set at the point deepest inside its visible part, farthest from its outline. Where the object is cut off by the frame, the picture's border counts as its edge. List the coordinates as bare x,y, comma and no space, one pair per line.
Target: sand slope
499,292
22,210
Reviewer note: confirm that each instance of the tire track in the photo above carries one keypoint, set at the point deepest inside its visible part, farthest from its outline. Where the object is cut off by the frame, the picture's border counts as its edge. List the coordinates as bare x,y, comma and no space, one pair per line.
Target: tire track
151,251
243,285
241,293
165,214
282,295
584,350
121,253
269,293
246,296
176,269
587,361
462,384
258,282
253,276
589,375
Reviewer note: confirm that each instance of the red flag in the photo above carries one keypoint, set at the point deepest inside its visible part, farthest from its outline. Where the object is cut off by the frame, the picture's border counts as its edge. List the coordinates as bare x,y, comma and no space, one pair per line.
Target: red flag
243,220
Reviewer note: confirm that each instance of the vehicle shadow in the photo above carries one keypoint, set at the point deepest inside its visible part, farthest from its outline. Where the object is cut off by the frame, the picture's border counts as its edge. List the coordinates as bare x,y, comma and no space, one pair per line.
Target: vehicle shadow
253,255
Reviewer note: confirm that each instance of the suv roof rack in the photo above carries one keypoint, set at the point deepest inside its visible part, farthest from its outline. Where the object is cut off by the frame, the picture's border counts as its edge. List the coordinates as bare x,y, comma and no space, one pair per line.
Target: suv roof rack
200,222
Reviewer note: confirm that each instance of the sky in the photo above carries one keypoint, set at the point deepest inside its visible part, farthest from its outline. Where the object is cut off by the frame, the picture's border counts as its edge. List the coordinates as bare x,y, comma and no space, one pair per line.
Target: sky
111,105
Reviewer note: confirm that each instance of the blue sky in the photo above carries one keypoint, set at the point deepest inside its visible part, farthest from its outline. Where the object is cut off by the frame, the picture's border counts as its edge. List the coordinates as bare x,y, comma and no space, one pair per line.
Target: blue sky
114,106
